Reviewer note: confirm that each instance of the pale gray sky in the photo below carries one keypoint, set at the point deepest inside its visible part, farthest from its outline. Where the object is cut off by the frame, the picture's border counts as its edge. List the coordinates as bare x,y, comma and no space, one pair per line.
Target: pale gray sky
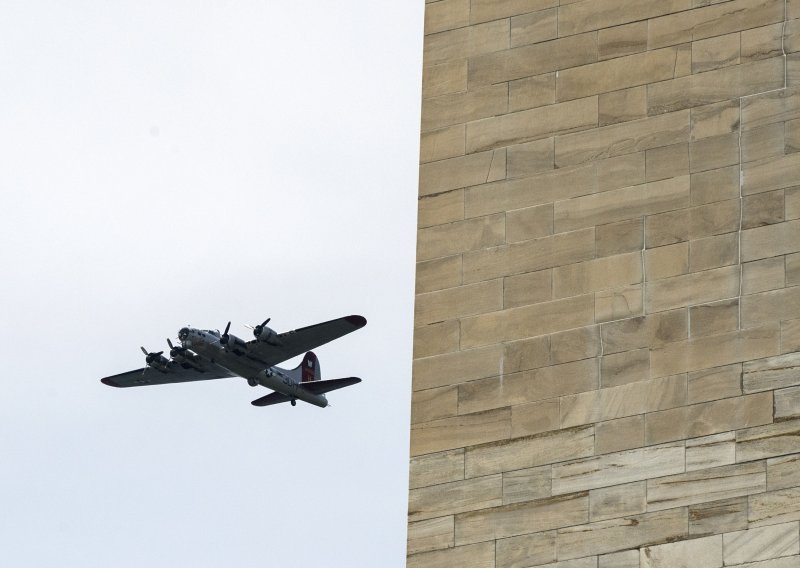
172,163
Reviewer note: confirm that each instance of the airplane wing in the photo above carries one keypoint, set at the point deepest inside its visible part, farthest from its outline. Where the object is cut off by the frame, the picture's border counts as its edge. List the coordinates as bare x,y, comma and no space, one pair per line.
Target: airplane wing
321,387
274,398
174,374
297,342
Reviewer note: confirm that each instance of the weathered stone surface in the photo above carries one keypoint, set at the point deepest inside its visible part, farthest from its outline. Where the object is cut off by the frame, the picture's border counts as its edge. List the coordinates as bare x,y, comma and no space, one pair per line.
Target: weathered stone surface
695,553
621,467
706,485
531,451
619,534
521,518
433,534
761,543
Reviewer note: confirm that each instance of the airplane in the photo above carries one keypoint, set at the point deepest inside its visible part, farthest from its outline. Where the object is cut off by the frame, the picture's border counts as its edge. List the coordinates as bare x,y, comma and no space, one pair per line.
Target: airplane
208,354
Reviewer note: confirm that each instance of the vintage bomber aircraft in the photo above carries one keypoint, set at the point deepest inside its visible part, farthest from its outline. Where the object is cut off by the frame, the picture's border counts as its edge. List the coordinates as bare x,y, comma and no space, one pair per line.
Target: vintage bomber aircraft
205,354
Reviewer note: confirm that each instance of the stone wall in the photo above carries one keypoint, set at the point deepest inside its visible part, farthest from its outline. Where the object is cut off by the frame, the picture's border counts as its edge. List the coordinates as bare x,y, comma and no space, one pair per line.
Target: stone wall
607,320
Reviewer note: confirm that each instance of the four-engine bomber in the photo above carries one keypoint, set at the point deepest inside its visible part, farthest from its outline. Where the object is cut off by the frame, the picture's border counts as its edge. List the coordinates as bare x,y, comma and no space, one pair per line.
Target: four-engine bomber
208,354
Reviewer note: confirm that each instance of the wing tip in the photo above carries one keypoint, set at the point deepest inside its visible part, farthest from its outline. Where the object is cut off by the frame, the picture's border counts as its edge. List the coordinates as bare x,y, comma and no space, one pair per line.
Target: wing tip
357,321
109,382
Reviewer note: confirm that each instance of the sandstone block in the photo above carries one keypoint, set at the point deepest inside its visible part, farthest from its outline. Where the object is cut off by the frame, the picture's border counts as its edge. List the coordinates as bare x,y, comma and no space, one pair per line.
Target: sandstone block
617,435
624,138
532,124
441,209
479,555
526,484
534,418
466,42
667,161
763,275
666,261
696,288
768,441
601,274
525,289
713,20
783,472
618,468
716,383
521,453
432,404
712,319
715,52
455,303
619,238
614,74
460,431
787,403
532,92
619,534
484,10
455,497
623,303
446,78
530,60
433,534
715,350
775,507
530,158
442,144
625,400
534,27
646,331
433,469
621,204
708,418
527,321
706,485
446,15
710,451
714,119
617,501
455,173
695,553
595,14
438,274
529,223
622,40
772,240
521,551
726,515
436,339
529,386
761,543
458,367
522,518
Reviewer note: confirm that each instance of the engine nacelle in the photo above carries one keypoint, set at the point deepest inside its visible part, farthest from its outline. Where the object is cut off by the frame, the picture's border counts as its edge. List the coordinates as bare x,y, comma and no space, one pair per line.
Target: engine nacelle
233,343
266,335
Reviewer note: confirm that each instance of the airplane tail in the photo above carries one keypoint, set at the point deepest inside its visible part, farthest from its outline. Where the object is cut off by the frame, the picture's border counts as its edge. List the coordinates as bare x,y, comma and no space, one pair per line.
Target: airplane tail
308,369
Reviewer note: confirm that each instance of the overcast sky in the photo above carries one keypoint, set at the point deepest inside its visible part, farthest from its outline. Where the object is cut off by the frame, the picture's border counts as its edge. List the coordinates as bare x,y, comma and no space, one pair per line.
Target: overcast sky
173,163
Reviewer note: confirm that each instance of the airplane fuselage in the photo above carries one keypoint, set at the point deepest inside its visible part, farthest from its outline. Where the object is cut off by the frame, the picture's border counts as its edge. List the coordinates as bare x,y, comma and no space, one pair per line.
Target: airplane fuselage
236,359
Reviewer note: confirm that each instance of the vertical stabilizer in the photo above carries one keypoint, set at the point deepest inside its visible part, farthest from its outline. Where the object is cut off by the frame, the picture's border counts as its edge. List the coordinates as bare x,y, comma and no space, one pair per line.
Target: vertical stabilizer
309,368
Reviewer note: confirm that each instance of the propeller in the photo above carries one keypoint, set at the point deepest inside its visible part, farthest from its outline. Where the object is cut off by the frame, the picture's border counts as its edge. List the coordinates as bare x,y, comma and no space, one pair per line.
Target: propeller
224,337
173,351
260,327
152,356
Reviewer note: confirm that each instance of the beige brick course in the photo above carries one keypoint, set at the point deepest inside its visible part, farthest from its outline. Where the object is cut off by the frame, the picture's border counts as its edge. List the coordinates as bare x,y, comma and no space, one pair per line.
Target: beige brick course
433,534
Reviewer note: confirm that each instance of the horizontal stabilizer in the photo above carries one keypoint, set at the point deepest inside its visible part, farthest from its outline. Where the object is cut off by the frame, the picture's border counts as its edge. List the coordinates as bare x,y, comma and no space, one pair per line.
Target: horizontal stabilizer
270,399
321,387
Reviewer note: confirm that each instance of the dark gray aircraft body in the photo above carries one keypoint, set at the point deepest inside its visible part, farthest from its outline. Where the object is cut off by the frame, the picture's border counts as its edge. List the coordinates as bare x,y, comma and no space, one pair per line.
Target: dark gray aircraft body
205,354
